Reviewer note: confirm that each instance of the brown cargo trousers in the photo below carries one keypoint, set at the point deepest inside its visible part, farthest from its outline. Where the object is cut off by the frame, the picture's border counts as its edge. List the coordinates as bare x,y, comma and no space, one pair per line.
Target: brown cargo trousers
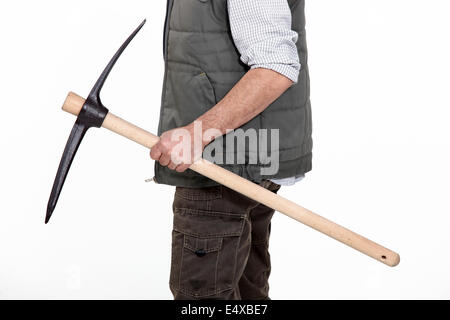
220,243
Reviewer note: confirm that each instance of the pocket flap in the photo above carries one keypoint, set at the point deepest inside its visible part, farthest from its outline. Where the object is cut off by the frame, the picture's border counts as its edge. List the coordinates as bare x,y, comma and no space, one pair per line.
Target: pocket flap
205,245
207,224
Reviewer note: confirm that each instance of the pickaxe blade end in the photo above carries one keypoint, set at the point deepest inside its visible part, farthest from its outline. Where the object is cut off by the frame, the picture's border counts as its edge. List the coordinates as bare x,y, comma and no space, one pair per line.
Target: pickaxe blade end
76,136
91,115
49,213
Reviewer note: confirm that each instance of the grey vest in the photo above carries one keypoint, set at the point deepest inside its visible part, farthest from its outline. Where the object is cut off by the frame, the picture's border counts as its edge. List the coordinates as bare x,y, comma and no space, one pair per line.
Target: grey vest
202,64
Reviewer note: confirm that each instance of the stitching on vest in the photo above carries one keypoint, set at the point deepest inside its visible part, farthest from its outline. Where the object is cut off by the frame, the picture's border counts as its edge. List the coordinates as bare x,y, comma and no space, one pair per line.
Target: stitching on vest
254,152
185,63
201,32
282,109
294,107
198,67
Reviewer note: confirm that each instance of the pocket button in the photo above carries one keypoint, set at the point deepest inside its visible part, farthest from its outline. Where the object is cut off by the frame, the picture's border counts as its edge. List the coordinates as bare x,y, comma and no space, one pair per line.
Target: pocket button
200,253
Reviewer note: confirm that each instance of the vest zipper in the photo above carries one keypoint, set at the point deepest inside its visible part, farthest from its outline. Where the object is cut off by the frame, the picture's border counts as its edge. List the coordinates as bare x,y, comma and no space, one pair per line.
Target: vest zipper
166,27
151,180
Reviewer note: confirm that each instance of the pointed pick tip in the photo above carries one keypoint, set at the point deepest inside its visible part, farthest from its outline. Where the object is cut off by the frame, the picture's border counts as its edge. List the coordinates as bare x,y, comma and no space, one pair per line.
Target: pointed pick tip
48,215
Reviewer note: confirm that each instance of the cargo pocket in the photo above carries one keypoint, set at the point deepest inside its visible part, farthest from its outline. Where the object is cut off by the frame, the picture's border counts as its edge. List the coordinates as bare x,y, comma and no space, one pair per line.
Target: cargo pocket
204,249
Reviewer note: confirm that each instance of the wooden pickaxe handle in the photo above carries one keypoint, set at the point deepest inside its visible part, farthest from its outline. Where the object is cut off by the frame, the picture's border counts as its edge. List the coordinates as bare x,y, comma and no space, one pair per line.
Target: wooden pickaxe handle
74,103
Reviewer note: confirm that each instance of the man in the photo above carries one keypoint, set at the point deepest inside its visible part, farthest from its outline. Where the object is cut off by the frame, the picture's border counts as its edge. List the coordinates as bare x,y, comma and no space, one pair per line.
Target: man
230,64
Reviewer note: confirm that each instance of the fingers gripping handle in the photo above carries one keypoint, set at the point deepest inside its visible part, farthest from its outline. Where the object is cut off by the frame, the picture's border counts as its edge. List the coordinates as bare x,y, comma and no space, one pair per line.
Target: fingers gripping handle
74,103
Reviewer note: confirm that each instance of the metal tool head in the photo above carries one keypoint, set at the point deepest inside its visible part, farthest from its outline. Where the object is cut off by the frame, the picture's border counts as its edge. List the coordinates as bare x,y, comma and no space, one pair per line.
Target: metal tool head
91,115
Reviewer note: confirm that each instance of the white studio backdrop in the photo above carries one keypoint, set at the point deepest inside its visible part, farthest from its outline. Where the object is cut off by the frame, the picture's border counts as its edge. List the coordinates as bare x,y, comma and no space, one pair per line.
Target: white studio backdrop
381,107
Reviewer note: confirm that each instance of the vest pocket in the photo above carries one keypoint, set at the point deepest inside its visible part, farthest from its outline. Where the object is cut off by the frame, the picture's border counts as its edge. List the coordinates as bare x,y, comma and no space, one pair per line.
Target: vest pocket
205,91
187,95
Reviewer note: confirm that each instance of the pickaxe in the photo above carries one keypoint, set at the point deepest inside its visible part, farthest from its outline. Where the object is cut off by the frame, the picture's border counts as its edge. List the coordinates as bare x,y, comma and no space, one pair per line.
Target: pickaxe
92,113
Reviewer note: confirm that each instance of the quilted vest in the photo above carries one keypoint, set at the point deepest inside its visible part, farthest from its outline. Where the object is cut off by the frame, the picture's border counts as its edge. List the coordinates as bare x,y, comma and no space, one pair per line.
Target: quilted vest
202,64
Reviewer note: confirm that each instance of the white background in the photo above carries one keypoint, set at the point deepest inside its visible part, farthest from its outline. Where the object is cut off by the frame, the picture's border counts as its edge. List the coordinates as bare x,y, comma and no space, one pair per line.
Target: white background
380,75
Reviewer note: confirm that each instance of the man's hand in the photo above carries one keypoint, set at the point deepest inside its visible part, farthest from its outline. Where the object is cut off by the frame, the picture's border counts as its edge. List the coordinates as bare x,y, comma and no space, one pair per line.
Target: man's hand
178,148
254,92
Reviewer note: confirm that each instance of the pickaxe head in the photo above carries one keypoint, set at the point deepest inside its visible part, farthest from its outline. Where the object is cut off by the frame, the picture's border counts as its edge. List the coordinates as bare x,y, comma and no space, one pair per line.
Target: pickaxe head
91,115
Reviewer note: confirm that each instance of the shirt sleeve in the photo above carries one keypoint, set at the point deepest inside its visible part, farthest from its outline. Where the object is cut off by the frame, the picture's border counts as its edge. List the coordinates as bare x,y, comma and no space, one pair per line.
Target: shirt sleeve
263,35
